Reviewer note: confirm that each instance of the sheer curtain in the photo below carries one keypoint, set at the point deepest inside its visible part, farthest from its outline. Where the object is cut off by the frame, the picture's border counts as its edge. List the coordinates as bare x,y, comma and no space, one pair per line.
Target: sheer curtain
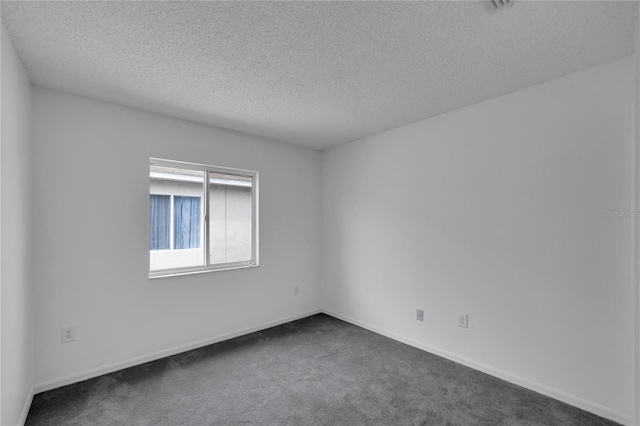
159,222
186,225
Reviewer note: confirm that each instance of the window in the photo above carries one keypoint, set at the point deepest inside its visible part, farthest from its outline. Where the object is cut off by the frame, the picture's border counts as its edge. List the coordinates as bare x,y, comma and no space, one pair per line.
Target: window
197,227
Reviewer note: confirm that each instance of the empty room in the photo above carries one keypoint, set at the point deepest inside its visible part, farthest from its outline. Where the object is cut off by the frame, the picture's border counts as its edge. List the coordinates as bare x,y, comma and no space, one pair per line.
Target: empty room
320,213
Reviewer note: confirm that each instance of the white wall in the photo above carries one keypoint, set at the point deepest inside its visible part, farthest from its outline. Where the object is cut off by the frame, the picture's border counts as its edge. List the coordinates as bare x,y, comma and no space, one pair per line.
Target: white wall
498,211
91,225
16,366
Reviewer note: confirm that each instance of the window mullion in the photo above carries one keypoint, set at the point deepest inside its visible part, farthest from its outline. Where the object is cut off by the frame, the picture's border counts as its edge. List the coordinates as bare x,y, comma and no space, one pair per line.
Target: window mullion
205,200
254,220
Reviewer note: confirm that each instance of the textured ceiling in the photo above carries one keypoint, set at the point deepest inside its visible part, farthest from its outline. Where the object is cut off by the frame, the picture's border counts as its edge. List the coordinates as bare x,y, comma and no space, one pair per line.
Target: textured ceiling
315,74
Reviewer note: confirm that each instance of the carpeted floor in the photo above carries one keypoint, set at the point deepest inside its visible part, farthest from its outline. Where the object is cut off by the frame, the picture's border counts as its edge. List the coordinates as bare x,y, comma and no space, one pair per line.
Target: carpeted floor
315,371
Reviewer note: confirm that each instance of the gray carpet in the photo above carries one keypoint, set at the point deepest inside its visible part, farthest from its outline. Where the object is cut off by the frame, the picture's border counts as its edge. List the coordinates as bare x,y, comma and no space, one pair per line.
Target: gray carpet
315,371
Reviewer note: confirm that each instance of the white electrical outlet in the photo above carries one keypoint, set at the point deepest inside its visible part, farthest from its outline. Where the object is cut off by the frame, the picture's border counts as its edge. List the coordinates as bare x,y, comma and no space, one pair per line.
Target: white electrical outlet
68,334
295,290
420,315
463,320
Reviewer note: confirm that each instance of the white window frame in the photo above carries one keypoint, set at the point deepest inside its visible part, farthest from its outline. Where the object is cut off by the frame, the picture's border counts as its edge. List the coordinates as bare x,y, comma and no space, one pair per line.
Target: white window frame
207,266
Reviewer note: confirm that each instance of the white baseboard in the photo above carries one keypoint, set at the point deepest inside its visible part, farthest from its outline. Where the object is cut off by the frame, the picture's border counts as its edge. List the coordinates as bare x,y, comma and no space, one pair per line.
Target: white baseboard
99,371
27,406
525,383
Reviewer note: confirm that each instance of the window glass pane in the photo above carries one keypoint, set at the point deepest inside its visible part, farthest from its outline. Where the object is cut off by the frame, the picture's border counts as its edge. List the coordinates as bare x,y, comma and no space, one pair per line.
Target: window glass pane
230,218
186,222
159,214
184,188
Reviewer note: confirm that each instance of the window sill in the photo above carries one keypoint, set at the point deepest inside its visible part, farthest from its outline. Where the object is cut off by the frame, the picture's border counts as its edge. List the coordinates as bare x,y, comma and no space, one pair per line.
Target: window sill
178,273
